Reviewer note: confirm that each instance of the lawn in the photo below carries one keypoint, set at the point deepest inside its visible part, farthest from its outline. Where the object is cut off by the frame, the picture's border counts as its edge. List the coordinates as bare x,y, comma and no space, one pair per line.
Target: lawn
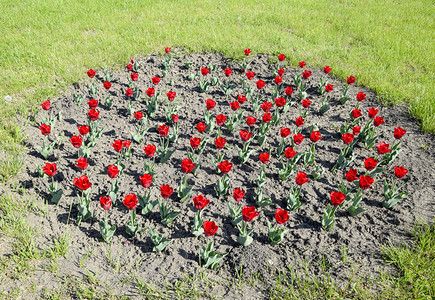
46,46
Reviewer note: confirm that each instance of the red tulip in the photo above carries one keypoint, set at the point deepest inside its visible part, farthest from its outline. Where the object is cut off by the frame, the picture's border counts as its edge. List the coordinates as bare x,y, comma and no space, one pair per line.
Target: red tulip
163,130
82,163
281,216
370,163
151,92
250,75
280,102
365,182
378,121
399,132
360,96
247,51
138,115
241,99
204,71
347,138
278,80
327,69
167,49
146,180
306,103
266,106
288,90
302,64
220,119
301,178
281,72
82,183
264,157
373,112
225,166
220,142
130,201
350,80
129,92
238,194
281,57
329,87
383,148
337,198
210,104
134,76
92,103
298,138
155,80
315,136
194,142
107,85
76,141
166,191
299,121
228,72
200,202
289,152
45,129
249,213
260,84
306,74
46,105
91,73
187,165
83,130
201,127
171,95
93,114
50,169
285,132
356,113
117,145
356,130
105,202
126,144
251,121
400,172
210,228
245,135
235,105
351,175
150,150
267,117
129,67
113,171
175,118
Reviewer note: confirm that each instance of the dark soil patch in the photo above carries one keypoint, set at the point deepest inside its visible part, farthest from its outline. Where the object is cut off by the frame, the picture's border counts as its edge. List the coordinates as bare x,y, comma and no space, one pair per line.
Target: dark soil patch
362,236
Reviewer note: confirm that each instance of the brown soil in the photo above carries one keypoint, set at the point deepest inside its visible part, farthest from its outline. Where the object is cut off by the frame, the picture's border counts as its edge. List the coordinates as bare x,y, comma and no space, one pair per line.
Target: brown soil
362,236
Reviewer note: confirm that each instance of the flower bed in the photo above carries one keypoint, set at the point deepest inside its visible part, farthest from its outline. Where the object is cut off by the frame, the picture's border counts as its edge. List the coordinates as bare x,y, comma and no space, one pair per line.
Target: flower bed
270,158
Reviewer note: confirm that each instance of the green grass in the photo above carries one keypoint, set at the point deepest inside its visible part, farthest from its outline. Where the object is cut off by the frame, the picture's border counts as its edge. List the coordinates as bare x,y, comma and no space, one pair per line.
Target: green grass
416,264
47,45
22,237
